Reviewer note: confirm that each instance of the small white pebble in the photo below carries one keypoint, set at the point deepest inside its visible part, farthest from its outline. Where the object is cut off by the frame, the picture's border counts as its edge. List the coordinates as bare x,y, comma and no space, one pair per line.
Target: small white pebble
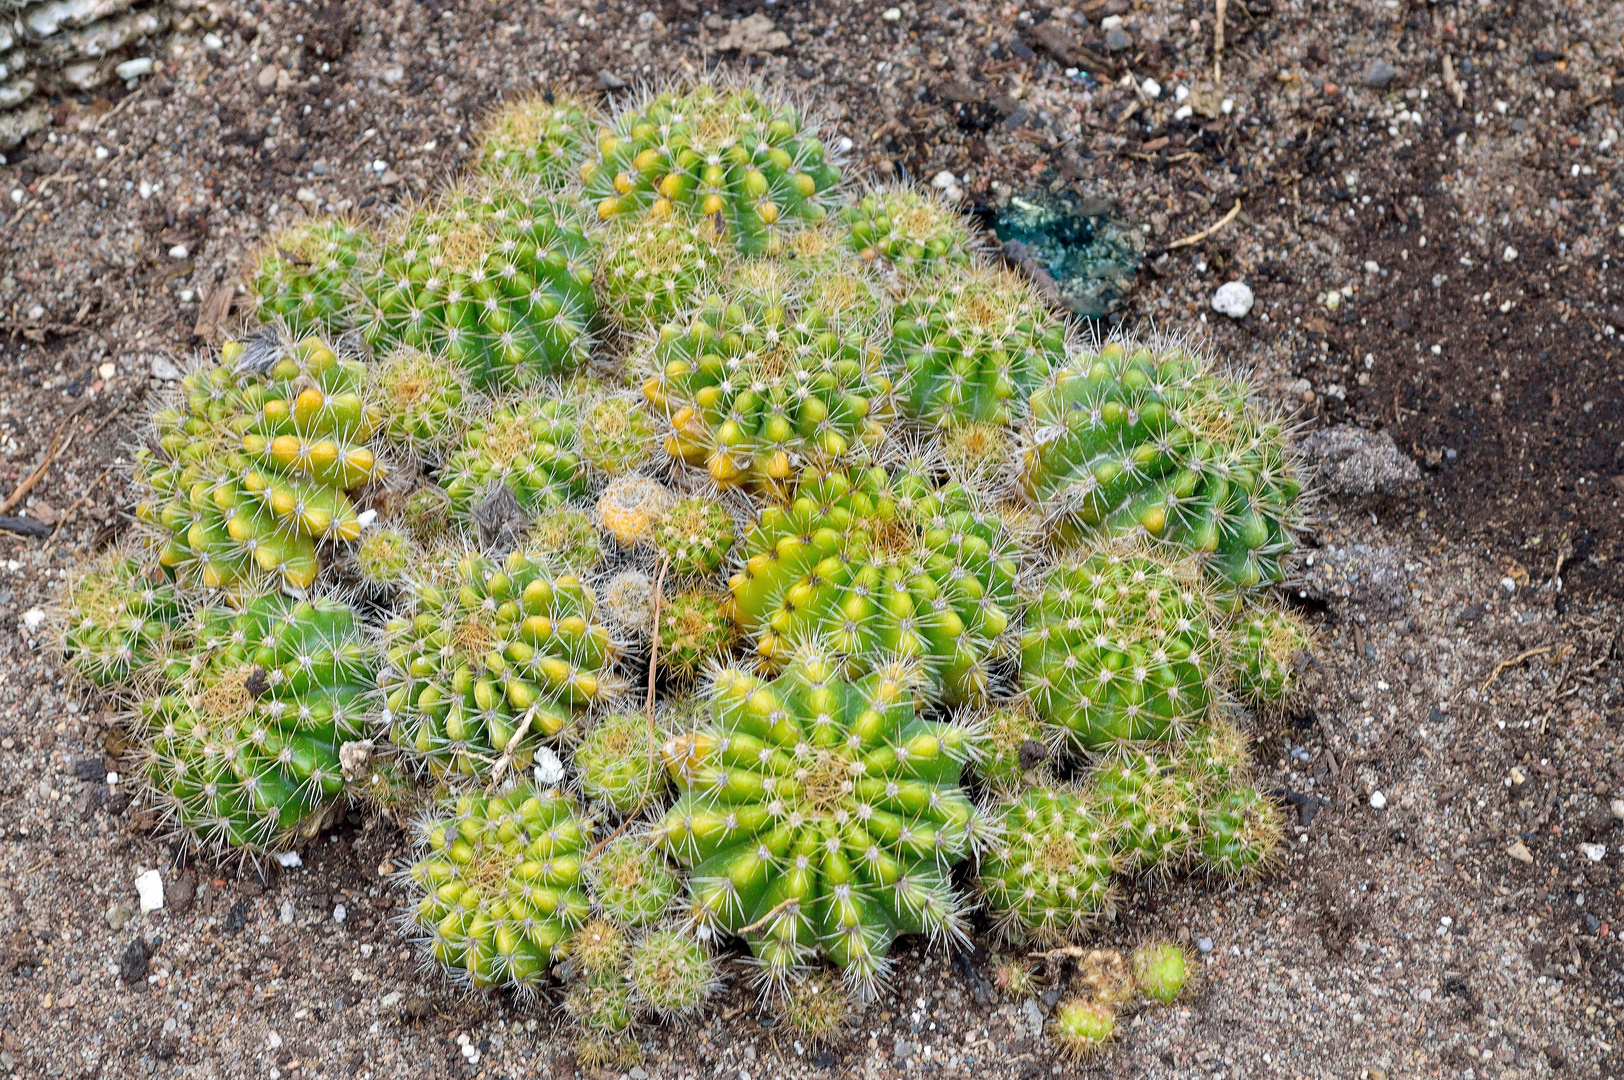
150,888
892,14
1227,107
1509,254
178,251
1233,298
340,912
17,195
107,370
288,858
112,779
213,42
1152,88
1372,266
1183,112
34,618
380,166
549,770
101,153
1378,800
1593,852
134,69
1508,585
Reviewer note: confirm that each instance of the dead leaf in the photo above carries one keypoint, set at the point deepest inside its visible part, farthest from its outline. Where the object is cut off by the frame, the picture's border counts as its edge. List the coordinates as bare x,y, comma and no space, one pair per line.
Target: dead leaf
1516,572
754,36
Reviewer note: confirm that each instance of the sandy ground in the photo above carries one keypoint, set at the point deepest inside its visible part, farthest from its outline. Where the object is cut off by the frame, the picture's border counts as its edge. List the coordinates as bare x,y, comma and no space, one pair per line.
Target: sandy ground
1461,929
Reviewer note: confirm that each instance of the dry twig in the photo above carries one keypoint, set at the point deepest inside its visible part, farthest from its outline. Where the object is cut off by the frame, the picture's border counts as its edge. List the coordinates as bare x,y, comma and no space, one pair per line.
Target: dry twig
1196,238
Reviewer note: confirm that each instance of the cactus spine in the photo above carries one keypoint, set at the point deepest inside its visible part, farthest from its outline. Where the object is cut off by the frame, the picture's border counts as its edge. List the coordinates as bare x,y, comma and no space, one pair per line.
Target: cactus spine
1264,650
306,275
119,620
543,137
1047,873
694,537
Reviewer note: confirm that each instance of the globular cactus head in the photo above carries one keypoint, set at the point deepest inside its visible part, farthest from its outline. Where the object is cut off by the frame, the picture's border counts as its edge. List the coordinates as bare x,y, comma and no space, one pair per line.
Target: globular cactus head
531,447
627,604
1216,756
1145,440
978,456
970,345
603,1050
631,882
1105,976
381,783
306,275
1161,971
567,539
1120,648
426,513
671,974
912,228
1151,807
653,271
118,619
631,509
696,630
543,137
617,433
1266,650
1081,1026
619,762
486,658
695,537
421,397
1014,977
1047,874
1241,833
597,950
815,1004
498,883
496,278
738,155
243,746
771,793
384,557
766,379
1011,753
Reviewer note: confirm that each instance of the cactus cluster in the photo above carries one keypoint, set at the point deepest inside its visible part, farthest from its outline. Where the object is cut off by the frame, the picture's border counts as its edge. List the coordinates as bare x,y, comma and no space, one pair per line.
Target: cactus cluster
483,667
913,579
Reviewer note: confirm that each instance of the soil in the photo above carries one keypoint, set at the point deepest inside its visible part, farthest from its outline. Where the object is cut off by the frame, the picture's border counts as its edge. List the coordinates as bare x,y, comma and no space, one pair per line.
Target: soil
1439,912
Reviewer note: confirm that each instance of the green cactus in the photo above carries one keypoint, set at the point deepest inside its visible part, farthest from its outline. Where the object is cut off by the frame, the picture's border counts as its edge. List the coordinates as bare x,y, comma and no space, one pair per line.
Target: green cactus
912,228
496,279
384,556
491,663
253,470
875,567
696,629
654,271
1014,977
1131,441
1241,833
532,447
426,513
1120,649
119,619
617,433
422,399
1081,1027
631,882
971,346
1047,874
627,605
695,537
761,382
1011,754
818,814
1263,651
619,762
542,137
498,884
671,974
244,748
631,509
1161,970
978,456
565,538
735,155
306,275
1151,807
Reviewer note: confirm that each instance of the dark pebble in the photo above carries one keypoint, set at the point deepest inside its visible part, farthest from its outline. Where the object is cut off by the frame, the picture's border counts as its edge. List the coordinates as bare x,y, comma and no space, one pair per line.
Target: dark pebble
1469,614
181,892
90,769
1545,56
1118,39
132,966
238,918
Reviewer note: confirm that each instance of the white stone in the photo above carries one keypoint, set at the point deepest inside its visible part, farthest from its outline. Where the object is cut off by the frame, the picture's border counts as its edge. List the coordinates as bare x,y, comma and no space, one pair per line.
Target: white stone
1111,22
305,195
107,370
150,888
288,858
213,42
1183,112
1233,298
134,69
380,166
1152,88
944,180
1509,254
178,251
366,517
1617,808
892,14
34,618
340,913
1593,852
165,369
1378,800
1372,266
549,770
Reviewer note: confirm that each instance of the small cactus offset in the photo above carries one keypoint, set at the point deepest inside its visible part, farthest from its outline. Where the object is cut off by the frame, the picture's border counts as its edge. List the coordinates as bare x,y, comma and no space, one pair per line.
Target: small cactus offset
421,398
531,447
1012,754
1151,807
1120,649
1047,873
820,815
1081,1027
737,156
912,228
631,883
968,348
384,557
627,605
696,630
245,747
653,271
1241,833
499,884
671,974
498,280
618,761
814,1004
695,537
617,433
1265,646
758,384
482,668
631,509
1161,971
257,466
307,276
542,137
566,539
119,617
1134,441
872,568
